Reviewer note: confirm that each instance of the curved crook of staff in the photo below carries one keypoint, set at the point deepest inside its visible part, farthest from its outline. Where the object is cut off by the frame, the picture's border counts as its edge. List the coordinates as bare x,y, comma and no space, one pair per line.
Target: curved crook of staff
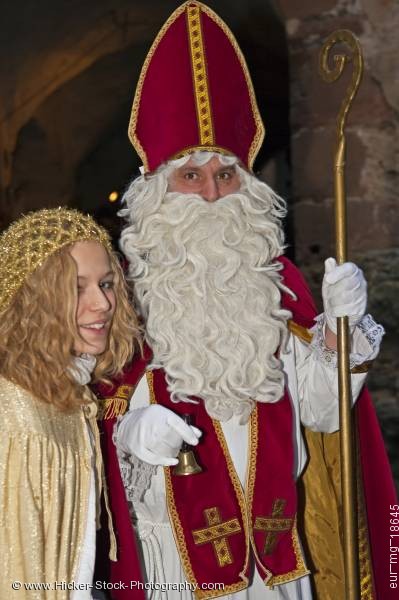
345,396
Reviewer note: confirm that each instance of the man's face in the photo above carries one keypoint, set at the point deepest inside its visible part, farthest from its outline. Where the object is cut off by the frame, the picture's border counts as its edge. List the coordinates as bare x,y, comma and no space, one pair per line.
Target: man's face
211,181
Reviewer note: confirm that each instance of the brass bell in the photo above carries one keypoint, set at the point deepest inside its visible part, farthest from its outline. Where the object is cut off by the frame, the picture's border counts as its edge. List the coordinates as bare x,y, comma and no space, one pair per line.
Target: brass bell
187,464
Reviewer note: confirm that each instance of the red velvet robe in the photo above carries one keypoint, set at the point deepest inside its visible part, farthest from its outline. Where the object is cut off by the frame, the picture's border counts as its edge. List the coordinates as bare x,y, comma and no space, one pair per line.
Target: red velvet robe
376,489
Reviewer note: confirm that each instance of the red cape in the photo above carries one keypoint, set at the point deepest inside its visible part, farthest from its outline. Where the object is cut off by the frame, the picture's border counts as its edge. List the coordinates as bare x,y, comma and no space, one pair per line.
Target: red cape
375,479
376,490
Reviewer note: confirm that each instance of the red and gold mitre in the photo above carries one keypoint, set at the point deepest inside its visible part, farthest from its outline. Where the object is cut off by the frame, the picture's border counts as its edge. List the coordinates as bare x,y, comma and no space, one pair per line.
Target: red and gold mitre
195,93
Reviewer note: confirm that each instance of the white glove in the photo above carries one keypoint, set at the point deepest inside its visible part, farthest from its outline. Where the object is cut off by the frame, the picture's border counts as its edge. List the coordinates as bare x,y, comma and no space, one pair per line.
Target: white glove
344,293
155,434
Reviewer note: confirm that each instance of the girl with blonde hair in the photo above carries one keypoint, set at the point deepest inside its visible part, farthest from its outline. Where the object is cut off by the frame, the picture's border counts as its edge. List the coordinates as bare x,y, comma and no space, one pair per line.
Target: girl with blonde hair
65,321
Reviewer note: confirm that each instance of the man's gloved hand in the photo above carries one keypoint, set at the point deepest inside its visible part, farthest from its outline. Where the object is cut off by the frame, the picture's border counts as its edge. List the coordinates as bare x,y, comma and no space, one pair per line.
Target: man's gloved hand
344,293
155,434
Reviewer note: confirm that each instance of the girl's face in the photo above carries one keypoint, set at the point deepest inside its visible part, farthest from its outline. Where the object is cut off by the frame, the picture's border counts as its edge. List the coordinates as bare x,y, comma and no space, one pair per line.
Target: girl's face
96,297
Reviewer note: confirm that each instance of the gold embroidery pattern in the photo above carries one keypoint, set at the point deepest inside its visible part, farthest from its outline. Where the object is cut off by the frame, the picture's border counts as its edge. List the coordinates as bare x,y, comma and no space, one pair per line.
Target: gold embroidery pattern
139,89
238,490
366,577
301,569
150,382
260,129
178,534
178,531
273,525
216,533
250,483
367,591
191,149
117,405
200,77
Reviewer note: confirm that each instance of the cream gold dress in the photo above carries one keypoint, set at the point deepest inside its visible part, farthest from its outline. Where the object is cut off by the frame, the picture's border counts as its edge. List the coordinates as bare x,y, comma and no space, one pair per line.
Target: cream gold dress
45,473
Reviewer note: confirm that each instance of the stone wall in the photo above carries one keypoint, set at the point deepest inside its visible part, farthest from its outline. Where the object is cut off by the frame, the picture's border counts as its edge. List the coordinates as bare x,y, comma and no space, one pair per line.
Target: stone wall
372,166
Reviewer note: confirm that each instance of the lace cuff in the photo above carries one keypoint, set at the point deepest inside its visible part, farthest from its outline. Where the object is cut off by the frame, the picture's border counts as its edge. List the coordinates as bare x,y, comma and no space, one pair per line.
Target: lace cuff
366,342
136,474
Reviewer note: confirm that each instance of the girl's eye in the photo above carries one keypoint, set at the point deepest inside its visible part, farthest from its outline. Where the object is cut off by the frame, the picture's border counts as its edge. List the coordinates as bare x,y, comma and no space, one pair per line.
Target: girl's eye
107,285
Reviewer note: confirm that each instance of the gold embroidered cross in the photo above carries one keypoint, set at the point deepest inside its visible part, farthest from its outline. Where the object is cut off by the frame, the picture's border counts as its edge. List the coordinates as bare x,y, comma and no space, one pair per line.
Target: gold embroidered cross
217,533
273,525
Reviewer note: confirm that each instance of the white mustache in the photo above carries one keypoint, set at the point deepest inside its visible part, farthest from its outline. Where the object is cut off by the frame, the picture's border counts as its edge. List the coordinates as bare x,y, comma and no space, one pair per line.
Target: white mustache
210,294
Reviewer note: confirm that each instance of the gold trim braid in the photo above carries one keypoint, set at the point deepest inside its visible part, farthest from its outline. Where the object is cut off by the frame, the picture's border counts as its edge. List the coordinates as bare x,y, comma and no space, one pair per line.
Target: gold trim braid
367,590
190,149
137,97
301,569
260,128
177,528
178,532
238,490
200,76
250,485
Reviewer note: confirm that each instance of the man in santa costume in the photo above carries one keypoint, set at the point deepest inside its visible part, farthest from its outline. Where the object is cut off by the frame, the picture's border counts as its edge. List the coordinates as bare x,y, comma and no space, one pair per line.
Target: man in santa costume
233,340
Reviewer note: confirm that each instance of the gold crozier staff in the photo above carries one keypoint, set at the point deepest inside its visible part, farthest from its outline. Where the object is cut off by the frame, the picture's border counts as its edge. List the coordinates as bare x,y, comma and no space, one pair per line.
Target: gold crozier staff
345,397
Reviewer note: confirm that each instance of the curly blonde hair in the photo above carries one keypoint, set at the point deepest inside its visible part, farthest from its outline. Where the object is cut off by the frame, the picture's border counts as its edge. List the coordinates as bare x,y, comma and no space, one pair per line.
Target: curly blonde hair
38,332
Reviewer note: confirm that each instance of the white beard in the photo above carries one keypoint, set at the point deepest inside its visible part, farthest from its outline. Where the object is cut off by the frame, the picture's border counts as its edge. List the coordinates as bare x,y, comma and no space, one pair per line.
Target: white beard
209,292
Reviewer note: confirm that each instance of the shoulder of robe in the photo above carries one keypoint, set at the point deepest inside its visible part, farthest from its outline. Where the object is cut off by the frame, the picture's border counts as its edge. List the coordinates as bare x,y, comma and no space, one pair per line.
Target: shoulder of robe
22,413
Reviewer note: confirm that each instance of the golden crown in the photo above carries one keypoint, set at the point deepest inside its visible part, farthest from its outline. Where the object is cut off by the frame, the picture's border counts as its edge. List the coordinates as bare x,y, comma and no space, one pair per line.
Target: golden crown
28,242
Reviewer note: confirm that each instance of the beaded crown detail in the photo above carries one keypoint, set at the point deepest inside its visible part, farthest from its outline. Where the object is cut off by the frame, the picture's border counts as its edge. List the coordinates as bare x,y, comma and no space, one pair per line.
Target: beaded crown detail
28,242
